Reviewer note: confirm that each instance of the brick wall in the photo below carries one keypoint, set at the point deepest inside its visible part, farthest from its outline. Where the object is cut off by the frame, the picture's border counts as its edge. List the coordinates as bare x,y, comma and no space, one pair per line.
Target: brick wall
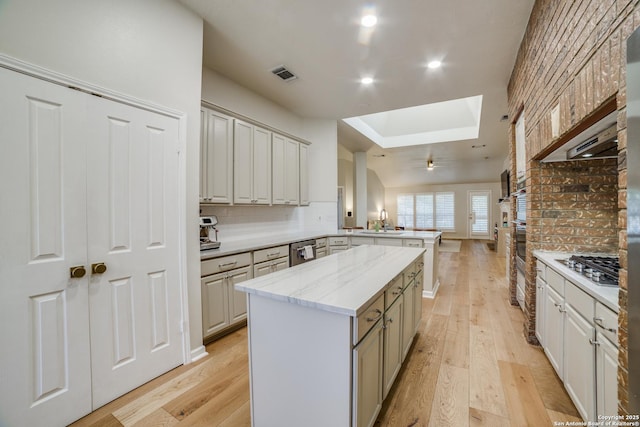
573,56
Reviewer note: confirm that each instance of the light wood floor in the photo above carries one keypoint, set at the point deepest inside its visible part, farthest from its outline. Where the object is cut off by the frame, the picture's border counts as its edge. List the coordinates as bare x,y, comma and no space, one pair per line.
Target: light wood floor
469,366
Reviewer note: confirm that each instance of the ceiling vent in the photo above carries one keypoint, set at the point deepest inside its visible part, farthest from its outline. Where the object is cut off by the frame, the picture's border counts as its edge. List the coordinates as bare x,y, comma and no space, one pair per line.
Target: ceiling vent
284,74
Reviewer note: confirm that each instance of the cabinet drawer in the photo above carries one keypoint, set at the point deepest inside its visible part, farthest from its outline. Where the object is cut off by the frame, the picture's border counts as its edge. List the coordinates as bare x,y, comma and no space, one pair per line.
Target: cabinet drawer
321,243
264,268
582,302
555,280
388,241
270,253
338,241
357,241
393,290
412,243
541,270
368,318
606,322
216,265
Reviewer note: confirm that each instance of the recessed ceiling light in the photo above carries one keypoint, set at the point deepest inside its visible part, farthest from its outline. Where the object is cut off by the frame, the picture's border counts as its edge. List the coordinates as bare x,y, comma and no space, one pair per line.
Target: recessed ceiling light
366,80
434,64
368,21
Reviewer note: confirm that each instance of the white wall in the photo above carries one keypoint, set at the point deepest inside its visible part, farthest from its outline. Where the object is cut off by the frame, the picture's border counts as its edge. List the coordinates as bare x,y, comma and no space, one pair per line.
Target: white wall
375,189
461,203
148,49
240,222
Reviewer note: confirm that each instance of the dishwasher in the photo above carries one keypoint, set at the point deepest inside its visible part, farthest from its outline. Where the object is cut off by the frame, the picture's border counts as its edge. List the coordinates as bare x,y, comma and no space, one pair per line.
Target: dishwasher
299,254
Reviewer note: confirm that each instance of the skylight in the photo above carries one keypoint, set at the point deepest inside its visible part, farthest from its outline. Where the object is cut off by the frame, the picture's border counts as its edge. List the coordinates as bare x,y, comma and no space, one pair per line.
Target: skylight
454,120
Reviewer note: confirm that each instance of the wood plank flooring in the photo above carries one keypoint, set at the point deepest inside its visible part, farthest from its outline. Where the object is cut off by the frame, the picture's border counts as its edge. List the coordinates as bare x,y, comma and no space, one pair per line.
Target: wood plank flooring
469,366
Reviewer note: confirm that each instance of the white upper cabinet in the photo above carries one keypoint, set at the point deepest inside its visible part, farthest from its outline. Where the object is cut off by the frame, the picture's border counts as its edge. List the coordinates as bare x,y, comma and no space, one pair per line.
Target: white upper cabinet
304,175
216,157
251,164
285,170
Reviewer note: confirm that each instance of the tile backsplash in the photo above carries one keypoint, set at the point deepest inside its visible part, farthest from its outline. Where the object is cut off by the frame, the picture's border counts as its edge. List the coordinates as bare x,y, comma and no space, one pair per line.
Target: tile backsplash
243,222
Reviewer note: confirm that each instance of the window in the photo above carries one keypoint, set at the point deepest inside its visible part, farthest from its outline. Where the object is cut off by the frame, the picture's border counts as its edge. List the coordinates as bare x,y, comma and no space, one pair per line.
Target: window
427,210
445,211
405,210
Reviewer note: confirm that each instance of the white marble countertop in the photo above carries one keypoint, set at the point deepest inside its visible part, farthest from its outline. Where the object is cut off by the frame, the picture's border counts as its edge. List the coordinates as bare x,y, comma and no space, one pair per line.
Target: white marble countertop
270,240
344,283
607,295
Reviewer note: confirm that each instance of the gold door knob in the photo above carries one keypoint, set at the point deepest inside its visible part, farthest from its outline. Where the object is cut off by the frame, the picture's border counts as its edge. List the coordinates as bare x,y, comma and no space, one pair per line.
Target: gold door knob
77,272
98,268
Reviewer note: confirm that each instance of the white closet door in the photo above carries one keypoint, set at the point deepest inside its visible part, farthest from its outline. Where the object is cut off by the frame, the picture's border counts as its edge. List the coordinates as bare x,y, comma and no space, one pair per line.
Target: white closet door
132,197
45,376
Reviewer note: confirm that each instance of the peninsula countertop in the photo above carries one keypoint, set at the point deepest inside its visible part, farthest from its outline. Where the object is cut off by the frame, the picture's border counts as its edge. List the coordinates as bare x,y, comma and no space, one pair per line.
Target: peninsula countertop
344,283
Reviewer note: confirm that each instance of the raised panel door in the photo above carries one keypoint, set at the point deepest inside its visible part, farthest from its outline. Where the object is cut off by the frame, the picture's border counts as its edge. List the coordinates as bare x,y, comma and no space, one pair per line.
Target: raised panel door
408,325
278,169
261,166
579,362
44,321
417,301
304,175
392,344
237,300
134,305
219,158
554,330
367,381
606,376
215,307
242,162
540,290
291,172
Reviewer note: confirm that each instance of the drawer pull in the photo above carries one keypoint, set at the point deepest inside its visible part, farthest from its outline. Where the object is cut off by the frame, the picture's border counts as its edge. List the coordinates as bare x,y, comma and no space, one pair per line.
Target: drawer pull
273,254
227,264
378,315
598,321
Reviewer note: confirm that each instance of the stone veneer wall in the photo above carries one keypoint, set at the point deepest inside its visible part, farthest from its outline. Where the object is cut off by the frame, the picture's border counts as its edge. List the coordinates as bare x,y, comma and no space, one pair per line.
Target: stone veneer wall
573,55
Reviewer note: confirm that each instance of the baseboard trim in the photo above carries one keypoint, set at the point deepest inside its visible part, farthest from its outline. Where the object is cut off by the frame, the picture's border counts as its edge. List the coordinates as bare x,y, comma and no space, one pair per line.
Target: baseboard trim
198,353
431,294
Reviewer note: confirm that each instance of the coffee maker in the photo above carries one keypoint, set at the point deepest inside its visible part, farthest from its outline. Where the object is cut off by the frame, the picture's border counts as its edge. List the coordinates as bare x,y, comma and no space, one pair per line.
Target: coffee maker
208,233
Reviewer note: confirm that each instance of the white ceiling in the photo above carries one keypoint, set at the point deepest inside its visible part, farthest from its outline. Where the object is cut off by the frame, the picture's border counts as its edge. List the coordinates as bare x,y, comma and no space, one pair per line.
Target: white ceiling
324,45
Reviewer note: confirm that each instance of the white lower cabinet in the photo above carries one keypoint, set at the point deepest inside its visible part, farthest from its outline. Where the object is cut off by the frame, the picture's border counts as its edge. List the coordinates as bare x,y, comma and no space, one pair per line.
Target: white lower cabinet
408,324
417,297
554,330
222,305
367,359
580,340
579,362
606,376
541,289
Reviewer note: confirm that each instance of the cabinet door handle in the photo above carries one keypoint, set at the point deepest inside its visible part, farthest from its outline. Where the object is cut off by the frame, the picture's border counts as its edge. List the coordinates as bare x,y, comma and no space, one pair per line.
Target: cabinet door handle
373,319
227,264
593,342
598,321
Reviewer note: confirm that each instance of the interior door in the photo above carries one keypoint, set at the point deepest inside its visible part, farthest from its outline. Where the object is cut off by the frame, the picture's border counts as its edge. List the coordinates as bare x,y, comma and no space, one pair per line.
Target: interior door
132,189
45,376
479,214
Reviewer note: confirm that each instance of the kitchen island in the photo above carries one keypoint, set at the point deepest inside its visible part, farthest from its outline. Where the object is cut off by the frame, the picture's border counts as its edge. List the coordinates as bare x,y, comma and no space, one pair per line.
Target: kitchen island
327,338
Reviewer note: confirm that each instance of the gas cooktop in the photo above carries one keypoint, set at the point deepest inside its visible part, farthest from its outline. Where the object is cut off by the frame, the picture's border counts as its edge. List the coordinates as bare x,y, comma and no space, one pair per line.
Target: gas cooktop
601,270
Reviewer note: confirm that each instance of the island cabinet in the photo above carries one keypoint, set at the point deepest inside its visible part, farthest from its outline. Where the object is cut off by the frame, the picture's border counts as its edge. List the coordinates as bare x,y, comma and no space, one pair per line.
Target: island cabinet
327,338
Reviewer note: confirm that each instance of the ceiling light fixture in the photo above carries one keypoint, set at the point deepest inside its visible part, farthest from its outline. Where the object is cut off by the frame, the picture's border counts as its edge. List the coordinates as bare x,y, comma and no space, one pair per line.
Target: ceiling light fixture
366,80
434,64
430,165
369,21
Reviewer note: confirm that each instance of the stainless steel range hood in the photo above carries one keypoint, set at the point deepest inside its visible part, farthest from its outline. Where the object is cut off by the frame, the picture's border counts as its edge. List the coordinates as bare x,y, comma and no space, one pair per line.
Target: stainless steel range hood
598,141
602,145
